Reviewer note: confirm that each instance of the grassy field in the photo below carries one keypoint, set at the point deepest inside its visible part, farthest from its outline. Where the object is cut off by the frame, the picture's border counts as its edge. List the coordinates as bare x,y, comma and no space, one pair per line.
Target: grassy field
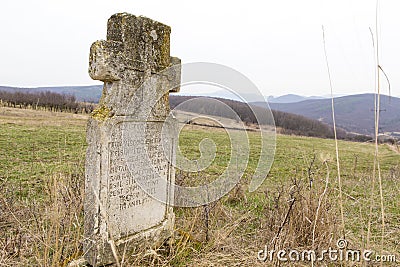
298,206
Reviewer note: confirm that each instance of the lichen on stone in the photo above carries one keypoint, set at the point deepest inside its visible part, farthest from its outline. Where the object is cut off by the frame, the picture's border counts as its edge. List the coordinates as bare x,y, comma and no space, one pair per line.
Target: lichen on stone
101,113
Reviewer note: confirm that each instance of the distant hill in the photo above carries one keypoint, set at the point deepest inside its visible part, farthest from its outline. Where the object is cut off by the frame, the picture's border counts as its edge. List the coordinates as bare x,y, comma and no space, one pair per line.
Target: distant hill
287,123
354,113
291,98
91,93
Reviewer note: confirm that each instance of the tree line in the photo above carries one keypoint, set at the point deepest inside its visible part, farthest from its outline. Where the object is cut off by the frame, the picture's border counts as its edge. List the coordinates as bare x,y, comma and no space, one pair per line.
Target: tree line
45,100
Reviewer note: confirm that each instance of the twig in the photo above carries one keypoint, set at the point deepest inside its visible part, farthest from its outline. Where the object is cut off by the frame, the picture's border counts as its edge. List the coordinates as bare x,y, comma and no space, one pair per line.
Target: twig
376,156
387,79
335,134
284,221
321,197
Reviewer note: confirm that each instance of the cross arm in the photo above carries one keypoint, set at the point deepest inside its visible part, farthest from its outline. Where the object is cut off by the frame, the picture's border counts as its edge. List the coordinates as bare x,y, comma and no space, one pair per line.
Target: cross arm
106,60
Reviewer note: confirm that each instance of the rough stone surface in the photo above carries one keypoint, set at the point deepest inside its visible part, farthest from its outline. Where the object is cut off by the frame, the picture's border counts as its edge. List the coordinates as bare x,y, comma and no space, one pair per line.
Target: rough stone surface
124,139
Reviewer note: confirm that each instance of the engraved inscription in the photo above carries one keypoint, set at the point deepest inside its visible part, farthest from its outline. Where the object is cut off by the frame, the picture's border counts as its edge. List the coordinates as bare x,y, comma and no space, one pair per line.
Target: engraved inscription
135,152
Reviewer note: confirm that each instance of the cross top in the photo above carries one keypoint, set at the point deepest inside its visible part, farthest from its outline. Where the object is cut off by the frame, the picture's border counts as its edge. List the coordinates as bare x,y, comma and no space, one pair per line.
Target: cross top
133,43
136,51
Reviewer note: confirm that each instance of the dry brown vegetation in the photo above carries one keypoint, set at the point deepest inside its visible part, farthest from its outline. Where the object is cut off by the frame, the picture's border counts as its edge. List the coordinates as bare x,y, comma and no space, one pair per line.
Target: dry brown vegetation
297,206
30,117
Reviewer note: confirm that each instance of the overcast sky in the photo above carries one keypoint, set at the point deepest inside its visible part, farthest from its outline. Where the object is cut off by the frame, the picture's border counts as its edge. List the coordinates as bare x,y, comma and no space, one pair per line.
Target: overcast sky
277,44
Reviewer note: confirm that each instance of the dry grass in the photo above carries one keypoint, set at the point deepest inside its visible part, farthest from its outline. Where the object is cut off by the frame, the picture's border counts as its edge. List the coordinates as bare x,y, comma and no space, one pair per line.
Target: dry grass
40,118
296,208
231,231
45,232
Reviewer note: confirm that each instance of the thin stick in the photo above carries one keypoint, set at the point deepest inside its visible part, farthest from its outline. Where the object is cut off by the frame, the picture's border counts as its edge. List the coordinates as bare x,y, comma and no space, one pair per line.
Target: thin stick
377,115
335,134
372,202
321,198
284,221
387,79
377,126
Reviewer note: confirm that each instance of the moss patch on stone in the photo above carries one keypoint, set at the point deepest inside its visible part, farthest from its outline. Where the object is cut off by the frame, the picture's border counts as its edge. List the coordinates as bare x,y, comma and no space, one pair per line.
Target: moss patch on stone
101,113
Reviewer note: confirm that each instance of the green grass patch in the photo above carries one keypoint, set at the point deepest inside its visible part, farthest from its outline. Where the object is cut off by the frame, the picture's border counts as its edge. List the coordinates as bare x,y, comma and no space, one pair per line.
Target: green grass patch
241,223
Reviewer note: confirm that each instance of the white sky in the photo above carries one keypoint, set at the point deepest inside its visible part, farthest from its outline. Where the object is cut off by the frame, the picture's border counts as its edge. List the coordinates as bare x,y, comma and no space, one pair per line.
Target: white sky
277,44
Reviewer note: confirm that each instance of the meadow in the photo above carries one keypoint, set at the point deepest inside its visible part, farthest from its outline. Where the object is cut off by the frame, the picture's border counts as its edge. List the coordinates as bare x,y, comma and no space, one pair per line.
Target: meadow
42,157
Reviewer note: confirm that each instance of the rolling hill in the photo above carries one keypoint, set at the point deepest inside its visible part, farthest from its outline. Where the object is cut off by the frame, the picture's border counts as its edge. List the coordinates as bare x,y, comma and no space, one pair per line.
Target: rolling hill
288,123
353,113
291,98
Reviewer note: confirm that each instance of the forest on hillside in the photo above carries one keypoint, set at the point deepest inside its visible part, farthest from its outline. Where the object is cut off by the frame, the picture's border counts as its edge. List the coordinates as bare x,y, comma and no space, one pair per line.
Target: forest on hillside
287,122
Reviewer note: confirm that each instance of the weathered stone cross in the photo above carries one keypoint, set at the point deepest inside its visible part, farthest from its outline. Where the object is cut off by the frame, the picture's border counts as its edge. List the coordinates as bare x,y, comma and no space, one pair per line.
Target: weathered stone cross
134,64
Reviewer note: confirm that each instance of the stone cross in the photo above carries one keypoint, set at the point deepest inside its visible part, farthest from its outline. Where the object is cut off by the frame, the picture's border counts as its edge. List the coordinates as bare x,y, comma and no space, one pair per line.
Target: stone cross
126,165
